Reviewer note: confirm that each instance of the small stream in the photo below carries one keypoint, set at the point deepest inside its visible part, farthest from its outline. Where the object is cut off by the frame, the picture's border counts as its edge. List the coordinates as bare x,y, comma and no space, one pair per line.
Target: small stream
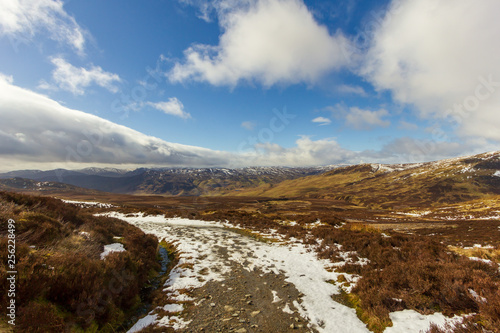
147,291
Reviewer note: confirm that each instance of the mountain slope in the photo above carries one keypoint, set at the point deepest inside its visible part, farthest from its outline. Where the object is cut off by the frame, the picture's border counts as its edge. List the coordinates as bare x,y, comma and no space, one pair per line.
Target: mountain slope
174,181
388,186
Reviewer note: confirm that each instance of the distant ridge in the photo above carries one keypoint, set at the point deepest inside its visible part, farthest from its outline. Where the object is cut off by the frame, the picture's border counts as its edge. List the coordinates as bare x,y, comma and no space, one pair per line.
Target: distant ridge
373,185
168,181
397,185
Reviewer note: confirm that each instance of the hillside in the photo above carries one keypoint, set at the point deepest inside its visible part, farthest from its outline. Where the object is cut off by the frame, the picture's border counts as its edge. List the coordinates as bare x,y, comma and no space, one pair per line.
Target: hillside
66,278
25,185
397,186
173,181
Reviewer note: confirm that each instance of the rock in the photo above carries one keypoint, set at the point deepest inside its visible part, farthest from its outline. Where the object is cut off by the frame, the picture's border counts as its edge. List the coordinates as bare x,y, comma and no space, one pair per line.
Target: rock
212,304
254,313
248,295
228,308
292,326
236,314
226,319
249,302
241,330
297,319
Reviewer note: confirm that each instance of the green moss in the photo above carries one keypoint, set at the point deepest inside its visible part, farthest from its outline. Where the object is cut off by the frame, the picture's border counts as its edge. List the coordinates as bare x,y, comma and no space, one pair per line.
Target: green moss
372,321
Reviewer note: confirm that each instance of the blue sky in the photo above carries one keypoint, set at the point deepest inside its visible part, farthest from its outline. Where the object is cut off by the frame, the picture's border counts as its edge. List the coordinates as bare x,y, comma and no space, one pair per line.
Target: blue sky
246,82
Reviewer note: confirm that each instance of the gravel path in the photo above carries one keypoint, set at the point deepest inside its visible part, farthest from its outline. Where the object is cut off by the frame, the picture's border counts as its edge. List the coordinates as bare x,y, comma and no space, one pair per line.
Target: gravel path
229,282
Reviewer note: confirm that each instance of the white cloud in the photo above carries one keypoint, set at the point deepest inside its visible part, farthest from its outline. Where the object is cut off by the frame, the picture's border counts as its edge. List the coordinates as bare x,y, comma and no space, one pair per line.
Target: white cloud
77,79
38,132
365,119
172,107
36,129
307,152
23,19
349,89
442,57
249,125
265,41
322,121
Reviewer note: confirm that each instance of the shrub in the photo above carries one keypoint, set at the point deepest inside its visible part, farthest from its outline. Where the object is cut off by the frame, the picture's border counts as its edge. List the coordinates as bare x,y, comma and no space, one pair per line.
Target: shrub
45,315
62,283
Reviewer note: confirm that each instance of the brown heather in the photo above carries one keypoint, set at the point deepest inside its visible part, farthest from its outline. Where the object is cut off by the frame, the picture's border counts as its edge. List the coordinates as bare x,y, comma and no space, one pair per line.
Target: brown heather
62,284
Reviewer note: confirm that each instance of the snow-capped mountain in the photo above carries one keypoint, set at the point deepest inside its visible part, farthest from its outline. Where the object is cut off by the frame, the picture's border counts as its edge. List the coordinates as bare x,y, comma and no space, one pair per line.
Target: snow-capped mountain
169,181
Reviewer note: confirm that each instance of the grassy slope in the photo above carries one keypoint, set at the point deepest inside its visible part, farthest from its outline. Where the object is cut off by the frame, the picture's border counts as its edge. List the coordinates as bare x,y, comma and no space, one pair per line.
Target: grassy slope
62,284
448,181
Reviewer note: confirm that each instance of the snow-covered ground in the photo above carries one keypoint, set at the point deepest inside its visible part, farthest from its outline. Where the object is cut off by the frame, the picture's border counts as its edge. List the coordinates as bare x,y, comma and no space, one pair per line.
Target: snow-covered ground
199,243
87,204
115,247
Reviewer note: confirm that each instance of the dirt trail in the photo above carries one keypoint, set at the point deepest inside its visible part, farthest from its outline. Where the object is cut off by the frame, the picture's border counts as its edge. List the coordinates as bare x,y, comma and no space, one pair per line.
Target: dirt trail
229,282
245,302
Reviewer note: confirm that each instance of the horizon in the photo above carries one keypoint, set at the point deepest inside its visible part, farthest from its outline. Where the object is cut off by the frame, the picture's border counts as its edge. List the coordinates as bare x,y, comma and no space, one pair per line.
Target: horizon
333,166
234,84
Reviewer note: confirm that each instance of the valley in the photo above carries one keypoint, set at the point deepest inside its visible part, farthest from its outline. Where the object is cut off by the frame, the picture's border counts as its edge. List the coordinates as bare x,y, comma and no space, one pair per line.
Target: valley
381,248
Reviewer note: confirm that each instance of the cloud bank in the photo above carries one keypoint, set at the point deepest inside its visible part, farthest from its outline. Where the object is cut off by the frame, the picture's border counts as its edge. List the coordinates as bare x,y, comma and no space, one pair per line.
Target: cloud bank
38,132
35,128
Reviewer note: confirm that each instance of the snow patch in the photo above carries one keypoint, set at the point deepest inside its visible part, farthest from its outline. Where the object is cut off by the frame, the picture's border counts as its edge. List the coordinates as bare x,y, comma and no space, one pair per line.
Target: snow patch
142,323
175,322
173,308
115,247
287,309
486,261
477,297
416,213
87,204
410,321
276,299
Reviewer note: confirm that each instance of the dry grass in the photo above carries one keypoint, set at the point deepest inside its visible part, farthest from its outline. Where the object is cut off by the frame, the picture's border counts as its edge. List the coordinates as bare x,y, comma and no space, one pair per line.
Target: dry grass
418,271
492,254
415,268
62,284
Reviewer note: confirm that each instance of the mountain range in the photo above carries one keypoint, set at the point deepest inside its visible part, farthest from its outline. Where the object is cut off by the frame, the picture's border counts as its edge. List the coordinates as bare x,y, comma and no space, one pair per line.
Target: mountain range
168,181
377,186
388,186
